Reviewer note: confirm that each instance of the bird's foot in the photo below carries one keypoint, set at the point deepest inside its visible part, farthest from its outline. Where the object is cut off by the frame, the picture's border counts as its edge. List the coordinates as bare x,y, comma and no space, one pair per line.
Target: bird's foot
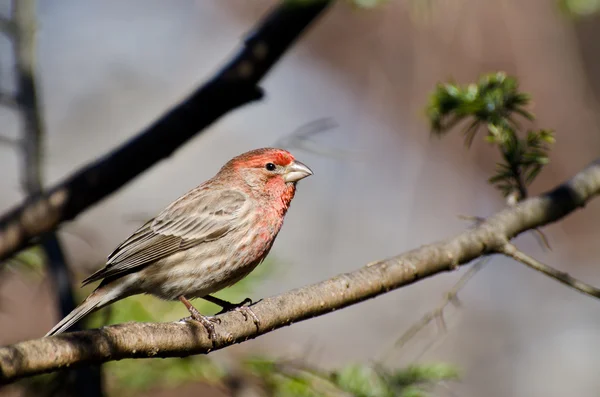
228,306
206,321
242,308
246,311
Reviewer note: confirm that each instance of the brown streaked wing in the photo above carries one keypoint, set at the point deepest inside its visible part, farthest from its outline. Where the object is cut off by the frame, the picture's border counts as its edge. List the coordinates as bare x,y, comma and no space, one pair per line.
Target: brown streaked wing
203,216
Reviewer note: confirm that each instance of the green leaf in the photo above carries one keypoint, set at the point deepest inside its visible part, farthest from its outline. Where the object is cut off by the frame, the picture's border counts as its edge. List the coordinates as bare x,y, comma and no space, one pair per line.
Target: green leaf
426,373
368,3
470,132
413,391
260,365
579,8
492,101
134,376
361,381
532,174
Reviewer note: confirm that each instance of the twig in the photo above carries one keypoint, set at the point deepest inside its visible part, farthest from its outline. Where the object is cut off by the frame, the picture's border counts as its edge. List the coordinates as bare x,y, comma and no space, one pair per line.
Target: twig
517,174
233,86
511,251
542,239
26,97
180,339
451,297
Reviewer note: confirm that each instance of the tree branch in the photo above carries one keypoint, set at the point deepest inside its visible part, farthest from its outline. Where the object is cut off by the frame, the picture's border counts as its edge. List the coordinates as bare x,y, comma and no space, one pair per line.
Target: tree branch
32,142
26,97
143,340
511,251
87,380
234,85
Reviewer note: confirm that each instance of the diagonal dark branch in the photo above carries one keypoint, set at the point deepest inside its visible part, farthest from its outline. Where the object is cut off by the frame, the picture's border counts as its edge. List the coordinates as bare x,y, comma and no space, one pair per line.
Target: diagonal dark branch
234,85
144,340
87,380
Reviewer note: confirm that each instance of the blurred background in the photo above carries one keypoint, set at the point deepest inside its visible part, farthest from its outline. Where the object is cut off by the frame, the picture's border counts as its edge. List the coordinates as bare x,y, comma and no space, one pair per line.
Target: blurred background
382,184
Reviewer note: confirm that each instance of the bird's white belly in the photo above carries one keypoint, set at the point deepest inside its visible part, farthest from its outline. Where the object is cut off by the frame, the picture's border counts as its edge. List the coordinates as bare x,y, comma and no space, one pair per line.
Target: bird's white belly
193,274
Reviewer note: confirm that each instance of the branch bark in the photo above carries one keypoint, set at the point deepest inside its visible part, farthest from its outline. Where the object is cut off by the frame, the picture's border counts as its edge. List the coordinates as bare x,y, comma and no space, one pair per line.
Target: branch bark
143,340
234,85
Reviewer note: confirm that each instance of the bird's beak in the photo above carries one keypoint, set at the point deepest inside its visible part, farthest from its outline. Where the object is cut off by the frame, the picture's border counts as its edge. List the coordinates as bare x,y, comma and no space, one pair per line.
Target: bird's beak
296,171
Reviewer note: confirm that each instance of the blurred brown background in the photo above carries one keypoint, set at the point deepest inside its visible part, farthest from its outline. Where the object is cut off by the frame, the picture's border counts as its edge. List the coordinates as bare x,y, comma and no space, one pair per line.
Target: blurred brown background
384,185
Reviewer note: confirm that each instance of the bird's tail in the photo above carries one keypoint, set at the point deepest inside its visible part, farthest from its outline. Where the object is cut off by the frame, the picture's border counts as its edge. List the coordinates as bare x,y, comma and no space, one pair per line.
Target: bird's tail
97,299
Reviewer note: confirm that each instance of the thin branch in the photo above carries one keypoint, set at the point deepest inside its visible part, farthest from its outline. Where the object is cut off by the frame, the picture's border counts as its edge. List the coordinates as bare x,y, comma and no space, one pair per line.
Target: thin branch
26,97
513,252
542,239
451,297
86,380
179,339
518,175
234,85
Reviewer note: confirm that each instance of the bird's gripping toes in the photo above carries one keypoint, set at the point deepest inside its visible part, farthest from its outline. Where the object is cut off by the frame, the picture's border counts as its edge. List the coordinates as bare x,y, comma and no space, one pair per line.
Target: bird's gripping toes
208,239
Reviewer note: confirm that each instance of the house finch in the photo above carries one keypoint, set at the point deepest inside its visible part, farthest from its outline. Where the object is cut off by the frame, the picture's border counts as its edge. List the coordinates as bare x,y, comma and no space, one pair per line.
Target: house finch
208,239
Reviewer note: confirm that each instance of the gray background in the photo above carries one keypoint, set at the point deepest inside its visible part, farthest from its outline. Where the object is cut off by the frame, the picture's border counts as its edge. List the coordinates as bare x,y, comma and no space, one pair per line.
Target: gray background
108,68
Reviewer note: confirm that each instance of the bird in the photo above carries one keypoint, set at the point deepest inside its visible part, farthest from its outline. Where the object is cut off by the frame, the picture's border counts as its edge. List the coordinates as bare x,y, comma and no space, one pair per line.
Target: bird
206,240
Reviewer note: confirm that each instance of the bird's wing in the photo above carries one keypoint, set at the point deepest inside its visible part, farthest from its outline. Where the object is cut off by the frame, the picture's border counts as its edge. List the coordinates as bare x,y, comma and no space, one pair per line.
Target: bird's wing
202,215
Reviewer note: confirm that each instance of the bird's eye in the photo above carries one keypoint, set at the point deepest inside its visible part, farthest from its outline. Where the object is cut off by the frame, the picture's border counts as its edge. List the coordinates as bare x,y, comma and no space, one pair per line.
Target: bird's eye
270,167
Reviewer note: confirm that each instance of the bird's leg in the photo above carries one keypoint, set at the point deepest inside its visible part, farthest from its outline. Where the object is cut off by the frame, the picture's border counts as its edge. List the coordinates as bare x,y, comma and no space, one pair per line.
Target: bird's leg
207,322
240,307
226,306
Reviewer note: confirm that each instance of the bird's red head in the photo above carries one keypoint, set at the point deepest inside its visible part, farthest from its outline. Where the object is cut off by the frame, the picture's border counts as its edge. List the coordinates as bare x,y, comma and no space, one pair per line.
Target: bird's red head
269,172
258,158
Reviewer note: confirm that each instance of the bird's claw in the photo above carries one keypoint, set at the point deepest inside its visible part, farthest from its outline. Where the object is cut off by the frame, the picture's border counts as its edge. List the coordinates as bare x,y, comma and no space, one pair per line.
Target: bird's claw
206,321
246,311
213,319
243,308
234,306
